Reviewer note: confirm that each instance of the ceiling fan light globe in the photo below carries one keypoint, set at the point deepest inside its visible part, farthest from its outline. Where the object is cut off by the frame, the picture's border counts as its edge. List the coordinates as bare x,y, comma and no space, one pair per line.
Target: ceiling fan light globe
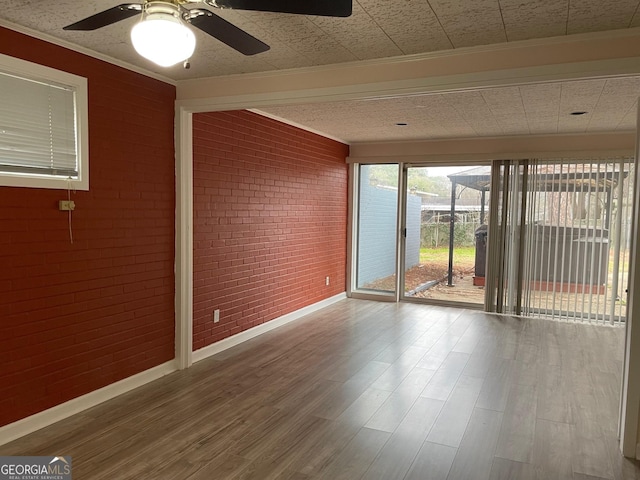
163,39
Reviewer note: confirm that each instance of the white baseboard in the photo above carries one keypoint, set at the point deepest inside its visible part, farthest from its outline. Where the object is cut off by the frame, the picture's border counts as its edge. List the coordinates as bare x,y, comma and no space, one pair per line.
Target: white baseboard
229,342
60,412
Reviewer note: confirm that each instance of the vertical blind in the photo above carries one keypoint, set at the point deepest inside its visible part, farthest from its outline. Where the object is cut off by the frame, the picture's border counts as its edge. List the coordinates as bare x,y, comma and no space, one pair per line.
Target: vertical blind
560,246
37,128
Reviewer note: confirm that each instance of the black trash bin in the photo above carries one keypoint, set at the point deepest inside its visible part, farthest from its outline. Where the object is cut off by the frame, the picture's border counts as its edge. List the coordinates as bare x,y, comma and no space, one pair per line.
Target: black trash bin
481,255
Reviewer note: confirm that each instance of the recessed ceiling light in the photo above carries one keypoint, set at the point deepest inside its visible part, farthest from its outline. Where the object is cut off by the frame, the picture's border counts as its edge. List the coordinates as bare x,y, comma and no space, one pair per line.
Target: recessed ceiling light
578,113
401,124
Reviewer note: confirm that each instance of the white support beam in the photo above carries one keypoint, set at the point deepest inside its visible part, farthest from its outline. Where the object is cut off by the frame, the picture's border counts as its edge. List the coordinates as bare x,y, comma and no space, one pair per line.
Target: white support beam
530,61
184,238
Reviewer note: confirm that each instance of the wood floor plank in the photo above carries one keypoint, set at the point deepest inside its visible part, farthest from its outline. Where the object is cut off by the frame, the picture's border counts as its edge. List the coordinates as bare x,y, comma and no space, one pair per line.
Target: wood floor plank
474,458
518,425
357,456
469,340
588,438
433,462
552,453
554,396
496,386
582,476
364,407
342,397
452,422
430,336
314,459
391,378
524,372
606,401
399,369
256,440
396,457
432,360
461,320
415,382
480,363
590,456
444,344
503,469
223,467
444,380
276,456
302,395
390,414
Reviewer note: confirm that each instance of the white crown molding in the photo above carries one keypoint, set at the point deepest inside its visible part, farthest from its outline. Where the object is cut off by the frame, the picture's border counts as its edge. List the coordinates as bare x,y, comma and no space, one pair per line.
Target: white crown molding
297,125
85,51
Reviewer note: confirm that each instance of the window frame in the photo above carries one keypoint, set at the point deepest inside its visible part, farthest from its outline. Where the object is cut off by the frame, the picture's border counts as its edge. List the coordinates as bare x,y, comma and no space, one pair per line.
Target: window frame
79,86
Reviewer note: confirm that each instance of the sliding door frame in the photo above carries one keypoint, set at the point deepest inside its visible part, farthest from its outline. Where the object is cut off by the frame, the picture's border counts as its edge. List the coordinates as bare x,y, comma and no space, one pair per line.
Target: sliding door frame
401,274
352,238
352,251
629,427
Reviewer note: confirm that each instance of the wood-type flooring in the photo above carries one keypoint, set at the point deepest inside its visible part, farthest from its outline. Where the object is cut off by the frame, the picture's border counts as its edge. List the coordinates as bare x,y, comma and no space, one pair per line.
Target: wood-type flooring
369,390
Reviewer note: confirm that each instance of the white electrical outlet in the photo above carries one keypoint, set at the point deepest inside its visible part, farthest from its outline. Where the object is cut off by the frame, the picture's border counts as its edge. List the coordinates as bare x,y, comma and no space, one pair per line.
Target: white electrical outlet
66,205
326,280
216,315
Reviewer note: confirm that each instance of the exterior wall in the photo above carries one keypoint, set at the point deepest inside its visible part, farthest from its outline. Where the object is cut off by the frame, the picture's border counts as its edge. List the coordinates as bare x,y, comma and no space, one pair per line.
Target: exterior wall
270,221
377,232
414,223
77,317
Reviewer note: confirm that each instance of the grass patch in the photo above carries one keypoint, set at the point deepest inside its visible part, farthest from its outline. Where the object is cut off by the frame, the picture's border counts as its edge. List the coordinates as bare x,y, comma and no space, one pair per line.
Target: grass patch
461,255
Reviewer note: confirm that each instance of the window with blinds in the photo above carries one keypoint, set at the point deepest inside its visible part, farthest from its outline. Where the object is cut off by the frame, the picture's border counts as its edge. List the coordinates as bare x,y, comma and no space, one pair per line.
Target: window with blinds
42,127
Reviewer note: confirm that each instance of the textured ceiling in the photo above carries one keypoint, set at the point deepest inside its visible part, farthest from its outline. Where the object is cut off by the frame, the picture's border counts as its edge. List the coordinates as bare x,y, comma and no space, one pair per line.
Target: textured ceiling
376,29
520,110
382,29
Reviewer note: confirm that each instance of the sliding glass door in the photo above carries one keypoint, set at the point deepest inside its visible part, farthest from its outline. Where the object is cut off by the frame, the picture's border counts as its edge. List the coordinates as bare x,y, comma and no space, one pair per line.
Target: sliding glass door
445,233
377,219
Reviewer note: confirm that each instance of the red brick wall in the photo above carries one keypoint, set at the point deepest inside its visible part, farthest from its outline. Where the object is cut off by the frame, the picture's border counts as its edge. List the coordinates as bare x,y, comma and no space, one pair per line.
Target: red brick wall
270,221
74,318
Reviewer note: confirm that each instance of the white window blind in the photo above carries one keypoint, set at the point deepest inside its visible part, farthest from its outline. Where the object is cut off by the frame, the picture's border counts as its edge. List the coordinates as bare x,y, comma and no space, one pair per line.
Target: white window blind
38,134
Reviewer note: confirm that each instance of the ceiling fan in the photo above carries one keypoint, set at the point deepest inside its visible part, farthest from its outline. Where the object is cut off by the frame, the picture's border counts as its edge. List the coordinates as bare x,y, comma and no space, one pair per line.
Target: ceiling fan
163,37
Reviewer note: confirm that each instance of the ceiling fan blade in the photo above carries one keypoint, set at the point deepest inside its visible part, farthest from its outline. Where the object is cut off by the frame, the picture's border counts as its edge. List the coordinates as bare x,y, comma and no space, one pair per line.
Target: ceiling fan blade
102,19
228,33
328,8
